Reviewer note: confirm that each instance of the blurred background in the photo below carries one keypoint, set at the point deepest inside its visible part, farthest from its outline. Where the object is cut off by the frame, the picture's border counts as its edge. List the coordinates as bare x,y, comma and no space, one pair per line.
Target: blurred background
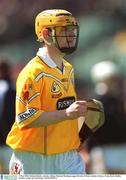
102,38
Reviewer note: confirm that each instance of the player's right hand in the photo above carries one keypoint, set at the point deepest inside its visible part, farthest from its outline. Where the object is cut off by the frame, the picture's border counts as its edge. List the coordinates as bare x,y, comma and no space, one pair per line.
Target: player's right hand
76,109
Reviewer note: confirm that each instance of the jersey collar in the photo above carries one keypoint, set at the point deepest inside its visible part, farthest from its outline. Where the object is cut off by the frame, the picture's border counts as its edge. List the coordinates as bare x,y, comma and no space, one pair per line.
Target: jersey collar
45,57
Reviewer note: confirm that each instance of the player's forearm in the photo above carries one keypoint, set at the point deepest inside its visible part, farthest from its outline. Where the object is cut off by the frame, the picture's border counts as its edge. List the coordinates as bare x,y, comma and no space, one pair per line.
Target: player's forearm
48,118
75,110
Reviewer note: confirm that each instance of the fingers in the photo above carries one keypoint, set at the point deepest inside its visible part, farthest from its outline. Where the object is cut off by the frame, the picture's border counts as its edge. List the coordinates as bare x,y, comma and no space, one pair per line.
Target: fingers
82,105
82,108
81,102
77,109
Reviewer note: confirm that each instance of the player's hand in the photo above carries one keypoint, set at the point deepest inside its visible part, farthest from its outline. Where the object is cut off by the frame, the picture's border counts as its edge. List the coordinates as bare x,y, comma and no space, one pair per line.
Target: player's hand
76,110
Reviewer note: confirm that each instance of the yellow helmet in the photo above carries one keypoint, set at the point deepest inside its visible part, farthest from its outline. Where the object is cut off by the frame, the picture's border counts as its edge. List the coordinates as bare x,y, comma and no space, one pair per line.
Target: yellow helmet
53,18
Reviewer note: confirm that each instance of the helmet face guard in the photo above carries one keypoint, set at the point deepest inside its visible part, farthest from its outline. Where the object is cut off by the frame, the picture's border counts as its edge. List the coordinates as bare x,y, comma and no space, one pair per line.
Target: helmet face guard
67,41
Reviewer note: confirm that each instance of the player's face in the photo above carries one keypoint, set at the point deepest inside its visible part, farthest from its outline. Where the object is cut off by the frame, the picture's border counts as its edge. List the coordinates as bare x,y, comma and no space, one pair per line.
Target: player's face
66,36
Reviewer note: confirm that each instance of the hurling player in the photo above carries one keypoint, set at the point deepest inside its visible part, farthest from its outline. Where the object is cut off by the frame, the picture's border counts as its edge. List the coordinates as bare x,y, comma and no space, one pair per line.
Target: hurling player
45,134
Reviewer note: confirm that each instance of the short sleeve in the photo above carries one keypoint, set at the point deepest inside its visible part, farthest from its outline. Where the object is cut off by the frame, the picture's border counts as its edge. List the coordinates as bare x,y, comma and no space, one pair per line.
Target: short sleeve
28,104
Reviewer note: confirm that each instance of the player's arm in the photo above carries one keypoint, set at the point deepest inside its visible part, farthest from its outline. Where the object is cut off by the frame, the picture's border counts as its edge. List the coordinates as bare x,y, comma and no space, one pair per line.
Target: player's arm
28,106
75,110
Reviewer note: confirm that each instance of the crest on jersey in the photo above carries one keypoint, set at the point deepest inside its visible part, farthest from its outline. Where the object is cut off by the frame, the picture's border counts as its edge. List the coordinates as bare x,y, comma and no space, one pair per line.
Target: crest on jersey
55,89
16,168
26,92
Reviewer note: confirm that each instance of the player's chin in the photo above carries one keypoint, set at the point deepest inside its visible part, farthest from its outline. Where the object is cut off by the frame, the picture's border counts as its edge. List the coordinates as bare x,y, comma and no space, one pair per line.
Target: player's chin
69,45
72,42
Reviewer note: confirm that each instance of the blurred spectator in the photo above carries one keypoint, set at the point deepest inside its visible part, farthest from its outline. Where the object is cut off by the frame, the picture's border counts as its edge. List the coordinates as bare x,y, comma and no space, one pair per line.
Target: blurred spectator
7,108
109,89
108,83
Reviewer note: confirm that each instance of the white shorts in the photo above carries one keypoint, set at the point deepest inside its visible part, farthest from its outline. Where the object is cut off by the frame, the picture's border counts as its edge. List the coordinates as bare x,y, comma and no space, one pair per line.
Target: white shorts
34,163
5,155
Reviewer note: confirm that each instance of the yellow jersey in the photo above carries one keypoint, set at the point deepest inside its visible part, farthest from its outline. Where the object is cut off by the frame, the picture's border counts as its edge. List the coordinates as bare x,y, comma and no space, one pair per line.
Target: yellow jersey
40,87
